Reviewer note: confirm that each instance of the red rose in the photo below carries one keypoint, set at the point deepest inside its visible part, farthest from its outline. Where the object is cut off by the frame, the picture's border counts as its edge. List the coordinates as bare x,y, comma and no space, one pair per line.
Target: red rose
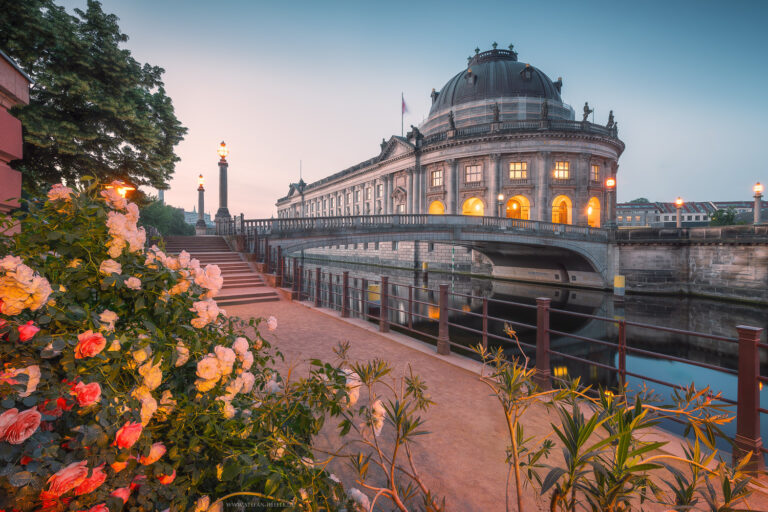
27,331
123,493
87,394
167,479
137,481
68,478
24,425
25,459
89,344
128,434
93,482
101,507
44,409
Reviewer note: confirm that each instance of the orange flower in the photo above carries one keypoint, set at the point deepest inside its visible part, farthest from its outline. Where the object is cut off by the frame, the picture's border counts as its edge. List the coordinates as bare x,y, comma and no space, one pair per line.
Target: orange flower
89,344
67,478
167,479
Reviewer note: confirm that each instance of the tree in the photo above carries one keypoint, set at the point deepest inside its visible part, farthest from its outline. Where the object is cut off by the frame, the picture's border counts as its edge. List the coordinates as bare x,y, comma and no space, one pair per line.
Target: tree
724,217
167,219
640,200
94,110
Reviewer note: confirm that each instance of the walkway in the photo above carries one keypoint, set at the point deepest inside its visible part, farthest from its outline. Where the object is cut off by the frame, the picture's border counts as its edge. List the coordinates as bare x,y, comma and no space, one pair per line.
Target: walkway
463,459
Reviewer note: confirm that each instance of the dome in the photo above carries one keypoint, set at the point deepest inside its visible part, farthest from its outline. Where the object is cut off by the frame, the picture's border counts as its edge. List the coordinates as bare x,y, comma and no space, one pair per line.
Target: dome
495,74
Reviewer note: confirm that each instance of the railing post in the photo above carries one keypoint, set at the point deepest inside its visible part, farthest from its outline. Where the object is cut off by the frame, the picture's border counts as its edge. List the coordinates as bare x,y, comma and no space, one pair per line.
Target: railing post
363,298
295,280
410,306
330,290
383,309
622,354
317,287
266,254
542,376
443,344
485,322
345,294
300,279
747,415
279,269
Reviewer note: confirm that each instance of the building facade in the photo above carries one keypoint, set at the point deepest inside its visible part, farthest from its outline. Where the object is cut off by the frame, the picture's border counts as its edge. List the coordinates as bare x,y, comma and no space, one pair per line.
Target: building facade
498,141
693,214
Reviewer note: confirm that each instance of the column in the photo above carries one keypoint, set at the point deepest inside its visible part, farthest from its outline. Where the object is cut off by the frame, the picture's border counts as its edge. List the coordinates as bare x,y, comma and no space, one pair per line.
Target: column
543,212
581,197
451,186
417,190
409,187
200,228
492,195
223,212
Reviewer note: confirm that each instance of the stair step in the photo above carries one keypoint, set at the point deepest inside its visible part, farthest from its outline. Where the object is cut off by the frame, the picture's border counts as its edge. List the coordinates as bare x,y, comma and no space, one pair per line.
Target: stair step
274,298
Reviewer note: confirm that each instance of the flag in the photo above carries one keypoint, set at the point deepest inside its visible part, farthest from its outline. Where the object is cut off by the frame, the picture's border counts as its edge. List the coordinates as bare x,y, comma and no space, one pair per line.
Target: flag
405,108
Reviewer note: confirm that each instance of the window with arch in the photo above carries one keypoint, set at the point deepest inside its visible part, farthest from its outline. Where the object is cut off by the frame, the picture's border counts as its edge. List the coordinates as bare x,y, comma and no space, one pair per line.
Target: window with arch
518,207
473,174
562,170
593,212
473,206
562,210
436,208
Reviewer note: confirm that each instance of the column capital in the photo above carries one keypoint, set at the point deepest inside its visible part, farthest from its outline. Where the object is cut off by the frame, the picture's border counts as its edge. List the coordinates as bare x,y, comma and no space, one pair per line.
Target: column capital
495,156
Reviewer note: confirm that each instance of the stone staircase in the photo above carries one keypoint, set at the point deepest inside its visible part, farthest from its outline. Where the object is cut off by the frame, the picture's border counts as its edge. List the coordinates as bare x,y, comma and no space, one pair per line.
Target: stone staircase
241,284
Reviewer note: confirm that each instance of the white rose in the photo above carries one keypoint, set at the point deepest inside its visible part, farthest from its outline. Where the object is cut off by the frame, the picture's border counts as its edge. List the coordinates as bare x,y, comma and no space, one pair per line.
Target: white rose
134,283
226,357
208,368
240,346
183,354
247,360
248,380
108,267
272,323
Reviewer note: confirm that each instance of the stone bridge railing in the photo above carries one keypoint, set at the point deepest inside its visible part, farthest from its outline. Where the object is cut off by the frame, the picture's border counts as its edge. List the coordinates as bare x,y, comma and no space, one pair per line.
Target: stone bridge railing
318,226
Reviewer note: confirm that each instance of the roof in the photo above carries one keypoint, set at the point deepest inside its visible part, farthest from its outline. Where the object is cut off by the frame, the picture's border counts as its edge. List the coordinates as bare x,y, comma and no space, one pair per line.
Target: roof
495,74
705,207
16,66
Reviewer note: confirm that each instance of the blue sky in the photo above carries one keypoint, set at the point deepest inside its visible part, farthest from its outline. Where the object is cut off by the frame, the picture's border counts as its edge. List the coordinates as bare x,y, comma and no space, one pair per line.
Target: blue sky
321,82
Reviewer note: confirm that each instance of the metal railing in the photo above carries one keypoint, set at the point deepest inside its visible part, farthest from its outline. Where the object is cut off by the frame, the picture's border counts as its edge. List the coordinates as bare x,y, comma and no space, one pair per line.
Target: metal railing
372,299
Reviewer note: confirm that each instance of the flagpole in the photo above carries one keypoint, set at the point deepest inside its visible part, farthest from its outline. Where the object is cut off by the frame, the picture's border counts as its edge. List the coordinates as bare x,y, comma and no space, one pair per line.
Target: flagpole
402,112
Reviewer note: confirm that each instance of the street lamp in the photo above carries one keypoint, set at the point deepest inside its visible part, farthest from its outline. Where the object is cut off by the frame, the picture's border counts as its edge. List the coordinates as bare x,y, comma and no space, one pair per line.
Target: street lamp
121,187
222,215
679,208
200,227
501,201
610,186
758,189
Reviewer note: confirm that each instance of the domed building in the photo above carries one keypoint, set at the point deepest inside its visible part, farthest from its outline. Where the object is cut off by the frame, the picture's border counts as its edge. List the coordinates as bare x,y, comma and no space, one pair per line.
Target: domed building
498,128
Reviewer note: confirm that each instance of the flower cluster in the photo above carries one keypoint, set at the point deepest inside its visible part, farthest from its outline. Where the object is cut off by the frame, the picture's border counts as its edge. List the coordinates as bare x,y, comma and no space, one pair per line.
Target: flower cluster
20,287
124,232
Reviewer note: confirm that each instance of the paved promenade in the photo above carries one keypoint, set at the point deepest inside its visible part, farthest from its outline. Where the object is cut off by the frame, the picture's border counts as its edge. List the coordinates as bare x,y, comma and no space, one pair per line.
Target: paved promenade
463,458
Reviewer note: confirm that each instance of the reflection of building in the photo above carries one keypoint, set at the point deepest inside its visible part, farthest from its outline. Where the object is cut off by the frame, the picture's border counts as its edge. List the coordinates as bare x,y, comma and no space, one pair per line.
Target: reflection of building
497,127
14,90
191,218
658,214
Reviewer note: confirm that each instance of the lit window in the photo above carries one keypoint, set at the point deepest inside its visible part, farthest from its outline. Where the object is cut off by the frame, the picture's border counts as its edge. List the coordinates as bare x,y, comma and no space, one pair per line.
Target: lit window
437,178
473,174
379,190
518,170
368,193
562,170
637,218
594,173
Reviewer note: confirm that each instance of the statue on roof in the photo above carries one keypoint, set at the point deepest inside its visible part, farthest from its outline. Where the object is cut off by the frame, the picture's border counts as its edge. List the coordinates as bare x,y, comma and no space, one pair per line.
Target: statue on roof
451,120
587,111
545,109
611,123
383,143
496,113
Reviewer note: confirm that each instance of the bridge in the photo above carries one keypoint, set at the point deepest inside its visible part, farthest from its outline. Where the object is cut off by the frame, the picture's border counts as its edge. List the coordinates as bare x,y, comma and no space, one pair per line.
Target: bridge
503,240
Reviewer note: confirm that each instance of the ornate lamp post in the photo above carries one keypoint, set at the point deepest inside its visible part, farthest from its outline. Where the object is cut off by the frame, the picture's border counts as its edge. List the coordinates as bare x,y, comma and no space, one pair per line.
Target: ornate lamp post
200,227
223,213
758,189
610,187
679,208
500,203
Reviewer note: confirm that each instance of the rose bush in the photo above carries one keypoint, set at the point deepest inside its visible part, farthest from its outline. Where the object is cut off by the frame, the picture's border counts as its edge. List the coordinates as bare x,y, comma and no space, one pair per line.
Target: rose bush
123,385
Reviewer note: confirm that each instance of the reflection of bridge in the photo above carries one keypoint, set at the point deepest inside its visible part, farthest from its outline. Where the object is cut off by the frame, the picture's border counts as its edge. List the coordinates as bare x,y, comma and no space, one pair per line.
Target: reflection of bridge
502,240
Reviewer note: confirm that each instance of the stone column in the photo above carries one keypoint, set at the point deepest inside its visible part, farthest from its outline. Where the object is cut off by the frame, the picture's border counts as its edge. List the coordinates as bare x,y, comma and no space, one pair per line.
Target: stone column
223,212
492,195
451,186
758,204
581,198
418,191
543,161
409,187
200,227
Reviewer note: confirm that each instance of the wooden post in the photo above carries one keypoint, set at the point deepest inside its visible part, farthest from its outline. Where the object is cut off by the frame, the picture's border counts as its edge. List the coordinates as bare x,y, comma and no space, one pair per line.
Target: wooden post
345,295
443,341
543,373
318,299
747,415
301,279
383,306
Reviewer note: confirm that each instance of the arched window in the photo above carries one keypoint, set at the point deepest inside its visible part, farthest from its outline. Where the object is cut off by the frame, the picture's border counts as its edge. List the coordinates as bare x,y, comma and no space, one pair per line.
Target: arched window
562,210
593,212
436,208
518,207
473,206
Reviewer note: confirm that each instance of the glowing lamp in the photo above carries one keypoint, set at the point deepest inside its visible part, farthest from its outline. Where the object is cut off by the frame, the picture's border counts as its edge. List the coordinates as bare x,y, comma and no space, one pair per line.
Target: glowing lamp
121,187
514,206
679,202
223,151
200,181
758,188
501,197
610,183
589,210
477,207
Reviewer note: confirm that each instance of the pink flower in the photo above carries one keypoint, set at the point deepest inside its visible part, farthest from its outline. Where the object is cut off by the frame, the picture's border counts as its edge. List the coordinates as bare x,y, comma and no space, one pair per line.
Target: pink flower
123,493
128,434
6,420
101,507
59,191
272,323
87,394
68,478
93,482
167,479
27,331
155,452
137,482
134,283
89,344
24,425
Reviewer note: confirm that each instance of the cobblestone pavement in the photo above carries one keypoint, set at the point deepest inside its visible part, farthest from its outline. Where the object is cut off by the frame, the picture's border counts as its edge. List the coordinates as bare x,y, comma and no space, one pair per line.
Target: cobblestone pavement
463,458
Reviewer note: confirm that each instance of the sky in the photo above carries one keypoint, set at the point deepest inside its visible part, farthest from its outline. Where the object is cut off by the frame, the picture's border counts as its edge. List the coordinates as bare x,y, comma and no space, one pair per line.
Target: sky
320,82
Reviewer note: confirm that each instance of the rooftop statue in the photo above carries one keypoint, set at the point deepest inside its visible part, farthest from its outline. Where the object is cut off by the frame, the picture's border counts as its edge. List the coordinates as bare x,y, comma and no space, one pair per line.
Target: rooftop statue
611,123
451,120
544,109
496,113
587,111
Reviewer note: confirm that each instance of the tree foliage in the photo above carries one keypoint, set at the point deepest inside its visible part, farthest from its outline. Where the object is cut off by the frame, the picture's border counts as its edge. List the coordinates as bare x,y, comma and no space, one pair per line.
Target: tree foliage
723,217
640,200
94,110
168,220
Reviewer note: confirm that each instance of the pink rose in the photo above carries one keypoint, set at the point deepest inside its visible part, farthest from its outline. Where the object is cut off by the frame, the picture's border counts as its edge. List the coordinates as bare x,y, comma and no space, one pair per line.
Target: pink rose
128,434
6,420
89,344
155,452
87,394
167,479
27,331
272,323
59,191
68,478
24,425
101,507
123,493
93,482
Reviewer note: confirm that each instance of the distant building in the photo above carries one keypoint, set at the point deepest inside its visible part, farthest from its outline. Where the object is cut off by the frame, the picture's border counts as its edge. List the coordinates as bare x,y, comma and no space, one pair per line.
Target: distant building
694,213
191,218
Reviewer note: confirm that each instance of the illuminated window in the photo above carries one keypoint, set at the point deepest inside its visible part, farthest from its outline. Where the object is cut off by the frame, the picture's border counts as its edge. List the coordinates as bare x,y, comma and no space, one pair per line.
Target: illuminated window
594,173
368,192
473,174
518,170
379,190
437,178
562,170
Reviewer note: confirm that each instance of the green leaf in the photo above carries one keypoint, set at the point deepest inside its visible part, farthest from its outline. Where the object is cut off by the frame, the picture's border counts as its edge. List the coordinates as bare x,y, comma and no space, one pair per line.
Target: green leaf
21,478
